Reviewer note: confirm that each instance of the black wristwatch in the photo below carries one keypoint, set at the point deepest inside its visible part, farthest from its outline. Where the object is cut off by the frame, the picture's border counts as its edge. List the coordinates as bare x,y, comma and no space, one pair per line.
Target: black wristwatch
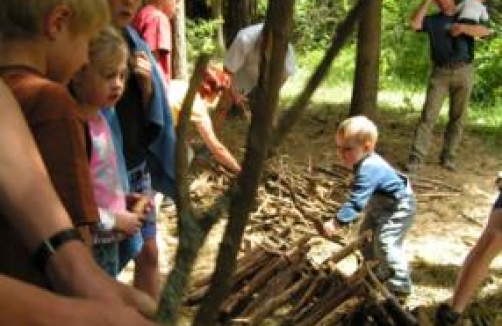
50,245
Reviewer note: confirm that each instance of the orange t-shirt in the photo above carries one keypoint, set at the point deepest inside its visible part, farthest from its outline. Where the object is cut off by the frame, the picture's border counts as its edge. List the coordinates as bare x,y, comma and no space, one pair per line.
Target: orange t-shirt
58,127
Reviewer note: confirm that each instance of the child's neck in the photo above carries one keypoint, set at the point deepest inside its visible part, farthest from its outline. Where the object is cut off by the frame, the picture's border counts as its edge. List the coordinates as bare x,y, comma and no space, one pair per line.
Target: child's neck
24,53
90,110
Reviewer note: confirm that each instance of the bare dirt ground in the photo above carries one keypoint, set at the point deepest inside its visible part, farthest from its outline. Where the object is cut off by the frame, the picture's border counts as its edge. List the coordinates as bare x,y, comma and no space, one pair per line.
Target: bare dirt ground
445,227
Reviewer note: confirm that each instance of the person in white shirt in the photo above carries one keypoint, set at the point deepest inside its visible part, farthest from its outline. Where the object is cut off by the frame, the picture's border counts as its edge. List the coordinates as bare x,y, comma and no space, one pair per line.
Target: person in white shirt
472,11
242,62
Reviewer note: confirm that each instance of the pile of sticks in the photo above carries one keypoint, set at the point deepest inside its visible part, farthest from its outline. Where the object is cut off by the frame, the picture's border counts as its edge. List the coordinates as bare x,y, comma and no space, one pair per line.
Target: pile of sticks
276,274
294,198
285,285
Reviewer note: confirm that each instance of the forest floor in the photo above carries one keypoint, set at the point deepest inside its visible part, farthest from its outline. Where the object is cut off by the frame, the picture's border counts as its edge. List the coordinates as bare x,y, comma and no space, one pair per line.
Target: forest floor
444,229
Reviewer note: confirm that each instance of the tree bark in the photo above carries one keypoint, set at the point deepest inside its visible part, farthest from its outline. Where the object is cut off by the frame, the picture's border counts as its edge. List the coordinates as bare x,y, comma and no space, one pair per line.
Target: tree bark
179,48
219,40
275,42
191,237
365,91
342,33
193,230
238,14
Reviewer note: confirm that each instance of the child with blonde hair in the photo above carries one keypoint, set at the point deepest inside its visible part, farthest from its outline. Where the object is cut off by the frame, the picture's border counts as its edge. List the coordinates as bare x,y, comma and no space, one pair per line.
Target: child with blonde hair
43,44
144,120
97,85
384,194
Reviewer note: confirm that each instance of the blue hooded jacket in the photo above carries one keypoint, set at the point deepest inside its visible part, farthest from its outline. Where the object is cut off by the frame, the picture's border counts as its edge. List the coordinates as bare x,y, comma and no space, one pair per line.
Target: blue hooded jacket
160,158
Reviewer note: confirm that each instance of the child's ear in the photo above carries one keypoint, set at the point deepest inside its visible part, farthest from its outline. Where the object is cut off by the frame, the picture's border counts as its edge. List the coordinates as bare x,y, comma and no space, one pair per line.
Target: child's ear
369,146
57,20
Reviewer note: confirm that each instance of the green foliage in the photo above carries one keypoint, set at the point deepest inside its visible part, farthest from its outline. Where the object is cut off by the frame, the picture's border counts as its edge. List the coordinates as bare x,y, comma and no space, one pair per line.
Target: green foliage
404,58
342,69
488,86
200,36
315,23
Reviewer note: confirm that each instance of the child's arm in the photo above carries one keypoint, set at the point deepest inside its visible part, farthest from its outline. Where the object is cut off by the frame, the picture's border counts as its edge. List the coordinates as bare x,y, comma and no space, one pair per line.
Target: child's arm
365,182
475,31
128,222
362,190
122,221
142,69
220,152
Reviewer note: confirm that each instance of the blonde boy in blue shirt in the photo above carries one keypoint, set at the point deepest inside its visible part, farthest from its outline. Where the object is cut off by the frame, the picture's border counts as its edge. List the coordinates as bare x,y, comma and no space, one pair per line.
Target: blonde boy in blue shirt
384,194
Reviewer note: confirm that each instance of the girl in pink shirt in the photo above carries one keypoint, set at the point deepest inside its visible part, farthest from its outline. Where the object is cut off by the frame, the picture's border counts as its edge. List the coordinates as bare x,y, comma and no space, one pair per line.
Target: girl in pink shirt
100,84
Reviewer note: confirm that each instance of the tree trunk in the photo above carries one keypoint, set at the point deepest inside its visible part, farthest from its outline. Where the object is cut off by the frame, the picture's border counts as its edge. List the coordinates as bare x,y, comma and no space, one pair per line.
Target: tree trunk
191,237
264,106
216,11
238,14
193,229
179,54
342,33
365,91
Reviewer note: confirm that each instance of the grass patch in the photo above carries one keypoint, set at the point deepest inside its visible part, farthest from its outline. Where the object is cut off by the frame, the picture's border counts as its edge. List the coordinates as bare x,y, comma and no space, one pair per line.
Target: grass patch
483,120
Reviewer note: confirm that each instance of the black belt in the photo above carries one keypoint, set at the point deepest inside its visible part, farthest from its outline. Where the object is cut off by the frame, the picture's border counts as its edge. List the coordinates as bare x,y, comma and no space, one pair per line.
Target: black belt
453,65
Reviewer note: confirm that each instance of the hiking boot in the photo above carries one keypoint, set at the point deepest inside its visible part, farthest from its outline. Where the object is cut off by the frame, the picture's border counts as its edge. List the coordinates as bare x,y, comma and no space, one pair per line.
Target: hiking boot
413,165
445,316
448,164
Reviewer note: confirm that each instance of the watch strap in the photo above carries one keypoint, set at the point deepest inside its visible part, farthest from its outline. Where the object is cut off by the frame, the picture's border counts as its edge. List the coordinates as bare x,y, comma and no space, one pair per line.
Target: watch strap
50,245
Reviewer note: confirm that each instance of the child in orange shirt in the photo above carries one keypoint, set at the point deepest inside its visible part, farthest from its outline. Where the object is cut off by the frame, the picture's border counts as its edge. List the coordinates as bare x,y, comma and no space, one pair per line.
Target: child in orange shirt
44,43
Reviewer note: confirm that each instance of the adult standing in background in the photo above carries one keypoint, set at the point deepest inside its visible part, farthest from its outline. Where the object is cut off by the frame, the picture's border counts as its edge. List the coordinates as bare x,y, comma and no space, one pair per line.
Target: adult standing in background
452,76
242,62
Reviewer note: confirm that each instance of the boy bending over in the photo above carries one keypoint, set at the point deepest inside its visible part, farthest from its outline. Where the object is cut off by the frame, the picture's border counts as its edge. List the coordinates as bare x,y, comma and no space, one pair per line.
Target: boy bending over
385,195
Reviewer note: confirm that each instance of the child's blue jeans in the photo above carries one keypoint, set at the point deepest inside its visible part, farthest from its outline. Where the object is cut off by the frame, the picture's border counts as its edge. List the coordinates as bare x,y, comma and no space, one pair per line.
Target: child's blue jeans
390,219
139,182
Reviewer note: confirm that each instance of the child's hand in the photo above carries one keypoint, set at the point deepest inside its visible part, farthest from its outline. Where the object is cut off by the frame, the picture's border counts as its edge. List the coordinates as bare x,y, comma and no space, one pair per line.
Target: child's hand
139,204
331,228
128,222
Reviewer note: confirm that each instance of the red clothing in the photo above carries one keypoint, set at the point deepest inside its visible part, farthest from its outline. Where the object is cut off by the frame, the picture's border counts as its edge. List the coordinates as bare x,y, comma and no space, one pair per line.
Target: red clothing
155,28
58,127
